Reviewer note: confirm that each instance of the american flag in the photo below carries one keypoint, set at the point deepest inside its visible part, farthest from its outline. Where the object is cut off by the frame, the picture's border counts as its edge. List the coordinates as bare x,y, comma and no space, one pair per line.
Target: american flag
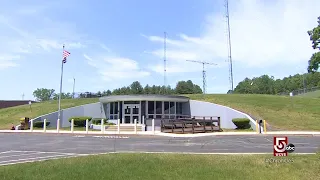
65,55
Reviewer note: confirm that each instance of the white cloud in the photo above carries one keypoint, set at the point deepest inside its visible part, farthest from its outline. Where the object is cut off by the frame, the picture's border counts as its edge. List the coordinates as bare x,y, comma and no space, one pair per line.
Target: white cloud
114,68
27,30
263,34
7,61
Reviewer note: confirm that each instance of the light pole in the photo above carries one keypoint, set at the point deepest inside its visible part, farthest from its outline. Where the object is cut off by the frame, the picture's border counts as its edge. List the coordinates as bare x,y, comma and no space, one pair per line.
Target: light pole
74,83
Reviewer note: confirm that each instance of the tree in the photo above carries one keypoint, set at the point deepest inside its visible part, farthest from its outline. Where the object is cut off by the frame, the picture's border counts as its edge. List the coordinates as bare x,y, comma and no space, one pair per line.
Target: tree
187,87
314,61
268,85
43,94
63,96
147,89
136,88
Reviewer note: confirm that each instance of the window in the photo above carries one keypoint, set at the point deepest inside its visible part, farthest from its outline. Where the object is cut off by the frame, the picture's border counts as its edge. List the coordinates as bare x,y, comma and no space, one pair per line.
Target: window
111,107
116,108
150,107
166,107
172,108
158,107
179,108
113,111
131,102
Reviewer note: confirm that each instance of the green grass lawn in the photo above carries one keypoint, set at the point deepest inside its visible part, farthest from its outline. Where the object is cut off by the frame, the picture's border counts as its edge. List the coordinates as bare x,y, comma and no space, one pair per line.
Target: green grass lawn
13,114
238,130
314,94
283,112
167,166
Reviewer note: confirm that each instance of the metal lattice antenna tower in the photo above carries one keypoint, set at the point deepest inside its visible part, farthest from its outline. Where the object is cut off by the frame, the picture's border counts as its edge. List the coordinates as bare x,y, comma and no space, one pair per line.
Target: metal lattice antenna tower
204,84
165,59
23,96
229,44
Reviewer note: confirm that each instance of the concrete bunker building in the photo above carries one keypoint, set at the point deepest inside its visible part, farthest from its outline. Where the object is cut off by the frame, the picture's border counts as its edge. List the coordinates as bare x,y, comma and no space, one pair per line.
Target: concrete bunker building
127,109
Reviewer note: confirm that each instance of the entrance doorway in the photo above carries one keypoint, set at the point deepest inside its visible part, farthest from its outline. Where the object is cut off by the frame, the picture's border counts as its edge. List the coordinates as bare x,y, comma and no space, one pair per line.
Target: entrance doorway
130,113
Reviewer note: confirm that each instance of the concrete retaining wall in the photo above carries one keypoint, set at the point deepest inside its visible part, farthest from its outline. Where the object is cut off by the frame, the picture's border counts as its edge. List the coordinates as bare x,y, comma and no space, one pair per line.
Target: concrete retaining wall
200,108
93,110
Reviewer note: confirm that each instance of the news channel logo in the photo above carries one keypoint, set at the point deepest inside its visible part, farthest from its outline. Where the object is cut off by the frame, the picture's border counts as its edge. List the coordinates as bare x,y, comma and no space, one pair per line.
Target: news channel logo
281,147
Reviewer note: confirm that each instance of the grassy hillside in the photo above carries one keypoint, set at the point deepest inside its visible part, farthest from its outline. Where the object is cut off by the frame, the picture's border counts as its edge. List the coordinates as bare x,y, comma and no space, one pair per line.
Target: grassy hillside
314,94
13,114
281,112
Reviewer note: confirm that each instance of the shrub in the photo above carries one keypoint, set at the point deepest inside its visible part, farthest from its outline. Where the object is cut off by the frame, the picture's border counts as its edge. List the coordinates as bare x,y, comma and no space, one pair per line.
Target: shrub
241,123
97,121
39,124
80,121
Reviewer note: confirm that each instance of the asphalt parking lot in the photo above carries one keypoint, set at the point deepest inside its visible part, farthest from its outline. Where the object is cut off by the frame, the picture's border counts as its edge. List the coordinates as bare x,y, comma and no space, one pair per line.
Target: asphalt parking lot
26,147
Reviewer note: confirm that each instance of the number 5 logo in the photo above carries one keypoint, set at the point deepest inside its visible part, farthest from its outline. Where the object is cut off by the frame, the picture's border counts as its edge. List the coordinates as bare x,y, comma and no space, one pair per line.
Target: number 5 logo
280,144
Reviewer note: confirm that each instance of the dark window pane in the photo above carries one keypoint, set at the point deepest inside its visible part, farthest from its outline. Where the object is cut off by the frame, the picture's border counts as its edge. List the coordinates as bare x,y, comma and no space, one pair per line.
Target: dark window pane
135,110
143,108
111,107
159,107
166,107
115,108
150,116
179,108
158,116
172,108
126,119
131,102
127,110
150,107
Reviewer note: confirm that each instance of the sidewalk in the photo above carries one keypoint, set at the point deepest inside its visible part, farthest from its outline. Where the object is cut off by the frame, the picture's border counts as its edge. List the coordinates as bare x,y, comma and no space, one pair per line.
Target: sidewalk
158,133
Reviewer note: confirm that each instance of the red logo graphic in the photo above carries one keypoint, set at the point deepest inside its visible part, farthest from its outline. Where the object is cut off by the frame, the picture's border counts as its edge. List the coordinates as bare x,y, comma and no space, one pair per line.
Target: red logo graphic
279,146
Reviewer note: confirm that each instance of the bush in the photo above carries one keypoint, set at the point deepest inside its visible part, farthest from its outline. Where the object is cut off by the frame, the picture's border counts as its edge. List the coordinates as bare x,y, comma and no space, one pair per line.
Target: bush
80,121
39,124
241,123
97,121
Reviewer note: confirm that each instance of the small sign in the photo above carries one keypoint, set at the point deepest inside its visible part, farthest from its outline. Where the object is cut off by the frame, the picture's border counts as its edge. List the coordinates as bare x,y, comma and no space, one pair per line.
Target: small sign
281,147
29,102
291,94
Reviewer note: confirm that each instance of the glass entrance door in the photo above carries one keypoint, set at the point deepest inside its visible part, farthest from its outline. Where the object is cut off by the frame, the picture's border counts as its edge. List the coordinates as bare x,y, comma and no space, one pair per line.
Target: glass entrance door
131,112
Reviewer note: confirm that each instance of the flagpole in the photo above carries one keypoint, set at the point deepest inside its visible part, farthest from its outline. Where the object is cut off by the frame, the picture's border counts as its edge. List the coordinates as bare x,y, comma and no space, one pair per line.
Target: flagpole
59,111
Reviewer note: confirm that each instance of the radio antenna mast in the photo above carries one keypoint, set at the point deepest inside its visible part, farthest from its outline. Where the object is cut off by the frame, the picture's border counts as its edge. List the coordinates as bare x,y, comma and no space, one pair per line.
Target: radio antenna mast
204,85
229,44
165,61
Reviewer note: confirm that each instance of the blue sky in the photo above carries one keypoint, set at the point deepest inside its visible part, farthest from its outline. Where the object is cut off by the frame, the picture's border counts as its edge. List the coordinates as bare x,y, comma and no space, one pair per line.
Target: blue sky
115,42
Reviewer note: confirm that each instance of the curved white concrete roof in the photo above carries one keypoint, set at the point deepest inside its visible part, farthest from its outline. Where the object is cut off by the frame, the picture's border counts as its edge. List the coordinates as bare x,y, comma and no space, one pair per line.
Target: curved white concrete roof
145,97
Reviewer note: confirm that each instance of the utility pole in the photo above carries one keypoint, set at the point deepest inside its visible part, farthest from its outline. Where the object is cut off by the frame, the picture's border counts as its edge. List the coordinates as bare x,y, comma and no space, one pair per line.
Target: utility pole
74,82
203,73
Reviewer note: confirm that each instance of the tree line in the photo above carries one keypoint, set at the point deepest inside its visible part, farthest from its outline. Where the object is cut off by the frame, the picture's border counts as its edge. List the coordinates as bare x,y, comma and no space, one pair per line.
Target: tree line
269,85
182,87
